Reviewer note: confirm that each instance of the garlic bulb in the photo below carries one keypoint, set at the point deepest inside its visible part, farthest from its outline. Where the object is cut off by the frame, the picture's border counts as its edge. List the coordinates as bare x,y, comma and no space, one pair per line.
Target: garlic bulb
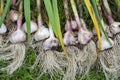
3,29
84,36
115,27
105,44
69,38
33,27
18,36
13,15
51,41
42,33
107,29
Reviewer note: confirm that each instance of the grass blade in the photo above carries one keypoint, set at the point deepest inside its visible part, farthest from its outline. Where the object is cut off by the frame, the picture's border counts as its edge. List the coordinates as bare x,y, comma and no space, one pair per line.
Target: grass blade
7,6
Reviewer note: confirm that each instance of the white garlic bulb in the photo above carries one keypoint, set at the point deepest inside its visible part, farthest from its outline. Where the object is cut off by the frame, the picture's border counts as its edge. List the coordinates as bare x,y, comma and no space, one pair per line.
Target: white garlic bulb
51,41
13,15
84,36
33,27
18,36
42,33
115,27
105,44
3,29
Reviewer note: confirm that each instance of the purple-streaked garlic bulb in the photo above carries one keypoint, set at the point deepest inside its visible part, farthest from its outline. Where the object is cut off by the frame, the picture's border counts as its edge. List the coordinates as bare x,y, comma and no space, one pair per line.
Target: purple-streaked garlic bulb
19,35
42,32
84,35
69,35
51,41
69,38
33,27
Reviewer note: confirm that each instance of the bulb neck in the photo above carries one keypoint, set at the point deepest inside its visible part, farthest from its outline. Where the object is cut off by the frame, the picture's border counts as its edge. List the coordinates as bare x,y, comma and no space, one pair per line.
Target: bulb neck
40,23
19,22
51,32
110,19
78,22
68,26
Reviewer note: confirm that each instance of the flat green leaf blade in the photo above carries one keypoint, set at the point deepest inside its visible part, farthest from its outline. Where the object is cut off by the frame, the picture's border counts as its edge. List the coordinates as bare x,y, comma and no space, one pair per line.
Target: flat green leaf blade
27,16
7,6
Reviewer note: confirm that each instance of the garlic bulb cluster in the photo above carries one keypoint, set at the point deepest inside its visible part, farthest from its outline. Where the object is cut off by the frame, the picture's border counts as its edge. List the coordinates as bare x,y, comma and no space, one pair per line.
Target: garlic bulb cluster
33,27
51,41
3,29
13,15
42,33
18,36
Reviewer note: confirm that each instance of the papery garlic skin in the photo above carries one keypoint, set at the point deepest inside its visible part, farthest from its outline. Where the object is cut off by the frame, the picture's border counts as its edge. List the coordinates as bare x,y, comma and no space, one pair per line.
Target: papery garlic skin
33,27
50,43
3,29
69,38
84,36
74,24
105,44
42,33
18,36
115,27
13,15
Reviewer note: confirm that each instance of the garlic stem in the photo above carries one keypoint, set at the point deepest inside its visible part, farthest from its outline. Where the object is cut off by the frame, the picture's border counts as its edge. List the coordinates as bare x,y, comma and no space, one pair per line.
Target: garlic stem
14,2
40,23
68,23
110,18
19,21
76,14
